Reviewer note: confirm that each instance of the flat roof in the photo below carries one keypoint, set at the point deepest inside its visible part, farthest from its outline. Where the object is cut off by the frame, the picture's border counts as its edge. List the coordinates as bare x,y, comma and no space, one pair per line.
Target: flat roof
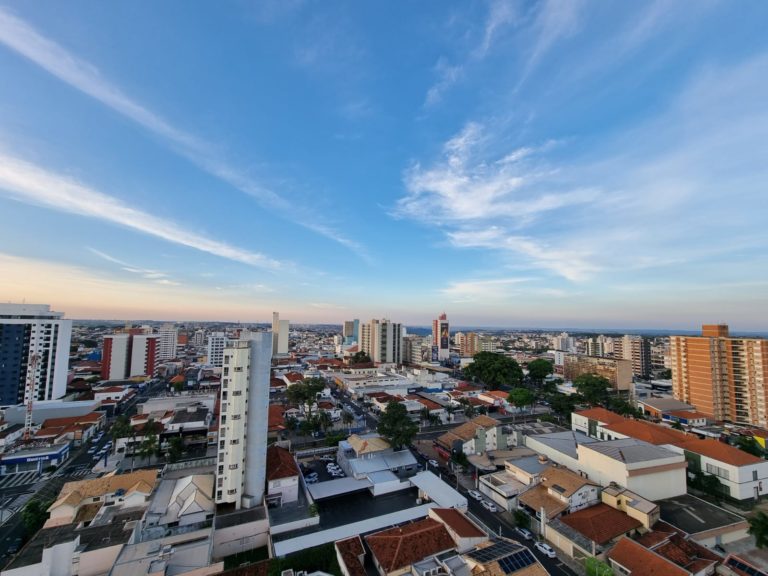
438,491
632,451
693,515
565,442
665,404
337,487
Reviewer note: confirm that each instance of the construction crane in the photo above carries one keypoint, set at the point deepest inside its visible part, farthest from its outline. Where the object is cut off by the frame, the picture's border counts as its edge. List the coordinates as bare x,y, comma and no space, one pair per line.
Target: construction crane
34,357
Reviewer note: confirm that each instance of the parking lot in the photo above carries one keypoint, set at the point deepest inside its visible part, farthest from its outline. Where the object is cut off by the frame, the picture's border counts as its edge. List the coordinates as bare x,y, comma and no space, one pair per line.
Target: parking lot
321,468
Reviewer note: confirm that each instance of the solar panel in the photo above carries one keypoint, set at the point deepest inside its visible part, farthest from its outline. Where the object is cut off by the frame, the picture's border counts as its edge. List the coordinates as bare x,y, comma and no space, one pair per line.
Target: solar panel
744,567
517,561
497,550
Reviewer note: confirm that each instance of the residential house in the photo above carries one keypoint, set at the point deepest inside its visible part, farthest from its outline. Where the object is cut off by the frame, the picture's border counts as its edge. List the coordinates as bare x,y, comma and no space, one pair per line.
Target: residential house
478,436
518,476
589,532
560,491
396,549
282,476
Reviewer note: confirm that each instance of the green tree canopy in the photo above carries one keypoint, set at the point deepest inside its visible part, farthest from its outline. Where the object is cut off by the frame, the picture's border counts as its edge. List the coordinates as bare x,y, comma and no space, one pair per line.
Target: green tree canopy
494,370
593,388
758,527
749,445
34,515
521,397
305,392
360,358
396,426
563,404
539,369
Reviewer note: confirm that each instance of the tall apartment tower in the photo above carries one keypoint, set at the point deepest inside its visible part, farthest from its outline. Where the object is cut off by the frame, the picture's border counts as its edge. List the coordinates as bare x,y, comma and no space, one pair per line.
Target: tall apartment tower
351,331
27,329
198,339
125,355
382,340
242,455
600,346
564,342
469,345
636,349
217,342
169,340
441,337
724,377
280,330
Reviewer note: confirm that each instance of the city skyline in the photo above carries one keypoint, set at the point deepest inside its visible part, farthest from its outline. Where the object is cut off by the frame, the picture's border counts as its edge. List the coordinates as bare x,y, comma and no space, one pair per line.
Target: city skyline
535,164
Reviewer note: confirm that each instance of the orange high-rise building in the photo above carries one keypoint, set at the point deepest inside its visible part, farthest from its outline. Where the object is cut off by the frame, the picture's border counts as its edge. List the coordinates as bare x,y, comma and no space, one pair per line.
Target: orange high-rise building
724,377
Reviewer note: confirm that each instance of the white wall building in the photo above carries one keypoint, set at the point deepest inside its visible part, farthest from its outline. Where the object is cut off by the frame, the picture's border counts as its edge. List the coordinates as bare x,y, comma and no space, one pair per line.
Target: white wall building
242,455
280,331
382,340
33,328
143,353
217,342
169,340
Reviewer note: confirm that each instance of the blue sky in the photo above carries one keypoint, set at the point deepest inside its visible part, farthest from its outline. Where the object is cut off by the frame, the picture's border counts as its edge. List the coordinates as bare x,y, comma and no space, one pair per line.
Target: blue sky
512,163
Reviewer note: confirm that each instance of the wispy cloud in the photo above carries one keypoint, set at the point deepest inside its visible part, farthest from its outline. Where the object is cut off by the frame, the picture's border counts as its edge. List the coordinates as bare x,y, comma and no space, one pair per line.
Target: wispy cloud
149,274
465,185
483,290
19,36
447,76
28,183
501,13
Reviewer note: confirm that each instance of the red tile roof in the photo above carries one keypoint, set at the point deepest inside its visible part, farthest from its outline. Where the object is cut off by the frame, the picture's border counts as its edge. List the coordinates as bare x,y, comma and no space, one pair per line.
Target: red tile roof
600,523
351,550
276,418
280,463
277,383
690,414
721,451
648,432
401,546
642,562
459,523
602,415
293,377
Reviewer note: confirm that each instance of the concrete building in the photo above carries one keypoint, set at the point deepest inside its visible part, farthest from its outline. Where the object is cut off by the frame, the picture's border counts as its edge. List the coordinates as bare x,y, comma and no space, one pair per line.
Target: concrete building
382,340
27,330
637,350
127,354
169,341
198,338
144,355
217,342
280,330
724,377
351,331
413,349
469,344
242,455
564,343
617,371
441,337
600,346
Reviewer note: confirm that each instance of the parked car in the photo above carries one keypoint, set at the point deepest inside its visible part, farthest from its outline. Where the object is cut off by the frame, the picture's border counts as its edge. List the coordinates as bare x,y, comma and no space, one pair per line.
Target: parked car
475,494
312,480
434,463
92,451
545,549
524,533
490,506
15,546
327,458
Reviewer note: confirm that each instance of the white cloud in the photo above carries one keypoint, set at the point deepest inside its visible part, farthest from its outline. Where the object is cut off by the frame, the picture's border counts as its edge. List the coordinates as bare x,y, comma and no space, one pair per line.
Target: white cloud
28,183
483,290
80,74
501,14
447,76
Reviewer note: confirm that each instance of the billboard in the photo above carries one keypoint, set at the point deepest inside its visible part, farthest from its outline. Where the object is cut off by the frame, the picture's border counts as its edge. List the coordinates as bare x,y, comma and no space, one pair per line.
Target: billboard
445,337
434,354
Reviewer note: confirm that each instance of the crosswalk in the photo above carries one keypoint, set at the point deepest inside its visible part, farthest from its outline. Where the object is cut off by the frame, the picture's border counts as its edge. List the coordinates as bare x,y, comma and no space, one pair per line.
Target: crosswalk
12,480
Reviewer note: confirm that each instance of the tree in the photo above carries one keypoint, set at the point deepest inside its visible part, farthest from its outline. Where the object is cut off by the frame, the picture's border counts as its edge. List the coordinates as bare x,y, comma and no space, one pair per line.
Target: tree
593,388
34,515
360,358
396,426
520,397
563,405
150,444
324,420
749,444
494,370
758,527
121,428
175,448
424,415
539,369
347,418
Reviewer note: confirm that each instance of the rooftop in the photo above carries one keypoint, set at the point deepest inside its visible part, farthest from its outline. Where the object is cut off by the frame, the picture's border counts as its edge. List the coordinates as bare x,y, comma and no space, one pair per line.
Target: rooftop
600,523
563,481
632,450
351,550
643,562
601,415
564,442
368,443
401,546
458,522
280,463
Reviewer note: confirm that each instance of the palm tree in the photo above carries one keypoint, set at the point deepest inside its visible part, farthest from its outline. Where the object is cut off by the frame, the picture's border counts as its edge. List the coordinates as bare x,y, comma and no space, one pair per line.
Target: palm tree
424,415
450,409
148,446
324,420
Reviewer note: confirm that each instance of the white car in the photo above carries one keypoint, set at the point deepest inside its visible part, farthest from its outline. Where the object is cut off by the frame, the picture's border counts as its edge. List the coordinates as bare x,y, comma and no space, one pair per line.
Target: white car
524,533
326,458
475,494
545,549
434,463
490,506
312,480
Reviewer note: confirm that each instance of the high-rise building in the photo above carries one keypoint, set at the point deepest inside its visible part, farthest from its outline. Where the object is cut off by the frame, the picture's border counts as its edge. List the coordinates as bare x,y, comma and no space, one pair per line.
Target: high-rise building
128,354
469,345
351,331
280,331
600,346
26,330
723,376
217,342
169,341
413,349
382,340
635,349
242,454
441,337
564,342
198,338
616,370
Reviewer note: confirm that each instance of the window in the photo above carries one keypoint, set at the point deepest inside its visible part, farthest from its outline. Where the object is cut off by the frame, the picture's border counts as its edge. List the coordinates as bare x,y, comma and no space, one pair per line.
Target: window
221,444
754,475
221,469
237,393
236,417
717,471
223,418
226,359
238,368
219,495
220,482
233,491
221,457
233,466
234,441
226,371
223,396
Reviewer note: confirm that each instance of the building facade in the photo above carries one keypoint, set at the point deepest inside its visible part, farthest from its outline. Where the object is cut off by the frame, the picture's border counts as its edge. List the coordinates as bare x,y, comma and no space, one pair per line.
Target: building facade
280,330
217,342
169,341
441,337
617,371
382,340
637,350
242,454
125,355
26,330
724,377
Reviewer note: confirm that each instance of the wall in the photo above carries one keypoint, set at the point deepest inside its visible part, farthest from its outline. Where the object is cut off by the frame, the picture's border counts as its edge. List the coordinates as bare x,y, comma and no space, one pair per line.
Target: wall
240,538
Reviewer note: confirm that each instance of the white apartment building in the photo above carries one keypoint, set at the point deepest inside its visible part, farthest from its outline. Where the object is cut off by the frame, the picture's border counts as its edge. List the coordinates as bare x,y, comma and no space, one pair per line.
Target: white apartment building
143,354
217,342
242,455
169,340
27,329
280,331
116,356
382,340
